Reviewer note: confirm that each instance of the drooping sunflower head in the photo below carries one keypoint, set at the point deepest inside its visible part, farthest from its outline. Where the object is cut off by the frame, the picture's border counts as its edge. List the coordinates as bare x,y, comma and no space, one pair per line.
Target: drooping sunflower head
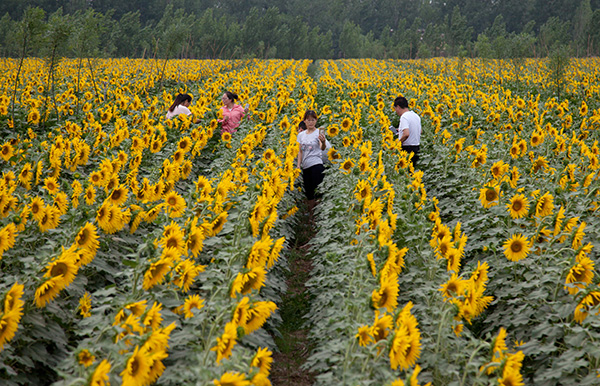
489,196
347,165
86,358
381,327
453,287
545,205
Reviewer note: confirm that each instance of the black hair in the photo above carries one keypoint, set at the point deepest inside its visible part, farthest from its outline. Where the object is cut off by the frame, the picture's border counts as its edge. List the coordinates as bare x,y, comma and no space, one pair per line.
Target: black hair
179,99
401,101
231,95
301,126
310,113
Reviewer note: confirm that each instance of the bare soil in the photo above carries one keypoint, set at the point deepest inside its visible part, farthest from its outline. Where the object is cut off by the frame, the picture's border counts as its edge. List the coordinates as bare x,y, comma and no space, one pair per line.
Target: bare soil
294,345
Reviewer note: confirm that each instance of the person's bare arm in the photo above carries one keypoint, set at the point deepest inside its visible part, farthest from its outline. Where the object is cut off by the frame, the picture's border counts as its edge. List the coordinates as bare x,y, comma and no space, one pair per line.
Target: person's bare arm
404,136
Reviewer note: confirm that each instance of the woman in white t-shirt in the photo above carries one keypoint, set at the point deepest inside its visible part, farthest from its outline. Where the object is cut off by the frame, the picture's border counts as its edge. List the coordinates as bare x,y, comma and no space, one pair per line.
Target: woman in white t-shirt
180,106
312,143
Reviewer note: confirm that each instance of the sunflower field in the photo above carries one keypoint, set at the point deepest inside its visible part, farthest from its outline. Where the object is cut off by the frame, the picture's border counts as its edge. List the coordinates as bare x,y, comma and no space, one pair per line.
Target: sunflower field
136,250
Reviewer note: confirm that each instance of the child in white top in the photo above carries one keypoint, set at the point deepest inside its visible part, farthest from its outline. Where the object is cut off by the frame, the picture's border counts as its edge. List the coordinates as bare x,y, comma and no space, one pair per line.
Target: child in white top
180,106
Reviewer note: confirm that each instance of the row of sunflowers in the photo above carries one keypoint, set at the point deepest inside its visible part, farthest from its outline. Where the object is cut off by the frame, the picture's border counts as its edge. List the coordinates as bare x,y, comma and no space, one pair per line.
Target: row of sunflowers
136,249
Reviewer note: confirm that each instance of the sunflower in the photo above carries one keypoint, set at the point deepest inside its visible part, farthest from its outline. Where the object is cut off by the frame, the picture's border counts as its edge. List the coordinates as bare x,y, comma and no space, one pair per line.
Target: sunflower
545,205
87,237
90,195
191,302
118,195
203,186
47,291
588,302
536,139
34,116
346,124
232,379
63,268
175,204
539,164
226,342
489,195
443,246
51,185
7,238
100,375
262,360
85,358
516,248
153,317
247,281
580,275
7,151
85,305
578,235
156,273
387,295
498,169
453,287
12,299
407,349
333,131
173,237
515,151
454,259
362,192
105,117
226,136
195,241
61,202
347,165
479,276
381,327
9,323
218,224
518,206
187,272
103,216
400,346
258,313
137,368
25,176
364,336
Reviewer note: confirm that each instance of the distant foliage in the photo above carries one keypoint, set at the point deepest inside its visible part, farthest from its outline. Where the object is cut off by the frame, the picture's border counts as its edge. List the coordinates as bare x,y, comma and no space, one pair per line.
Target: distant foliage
397,29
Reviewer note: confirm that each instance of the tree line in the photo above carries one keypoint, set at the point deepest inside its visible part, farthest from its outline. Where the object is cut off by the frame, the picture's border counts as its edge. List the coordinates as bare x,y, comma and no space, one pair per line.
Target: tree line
299,28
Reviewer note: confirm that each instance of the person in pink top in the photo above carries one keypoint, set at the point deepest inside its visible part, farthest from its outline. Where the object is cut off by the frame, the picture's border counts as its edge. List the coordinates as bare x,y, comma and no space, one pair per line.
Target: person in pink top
232,113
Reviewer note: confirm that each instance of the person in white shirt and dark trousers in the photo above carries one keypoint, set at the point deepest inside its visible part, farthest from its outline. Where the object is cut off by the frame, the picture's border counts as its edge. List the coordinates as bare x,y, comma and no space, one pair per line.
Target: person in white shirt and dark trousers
409,130
312,143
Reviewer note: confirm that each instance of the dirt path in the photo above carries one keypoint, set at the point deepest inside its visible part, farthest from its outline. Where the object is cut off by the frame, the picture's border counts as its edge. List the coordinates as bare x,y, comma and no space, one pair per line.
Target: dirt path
294,345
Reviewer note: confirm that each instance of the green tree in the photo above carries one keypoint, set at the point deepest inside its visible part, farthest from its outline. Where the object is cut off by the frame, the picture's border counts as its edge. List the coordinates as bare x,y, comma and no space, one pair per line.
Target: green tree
593,32
554,33
29,31
459,33
350,40
581,21
55,48
8,44
86,37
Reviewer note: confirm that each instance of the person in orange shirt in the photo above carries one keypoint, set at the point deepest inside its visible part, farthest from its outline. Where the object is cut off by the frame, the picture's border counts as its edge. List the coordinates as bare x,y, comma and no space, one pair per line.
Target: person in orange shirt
232,113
